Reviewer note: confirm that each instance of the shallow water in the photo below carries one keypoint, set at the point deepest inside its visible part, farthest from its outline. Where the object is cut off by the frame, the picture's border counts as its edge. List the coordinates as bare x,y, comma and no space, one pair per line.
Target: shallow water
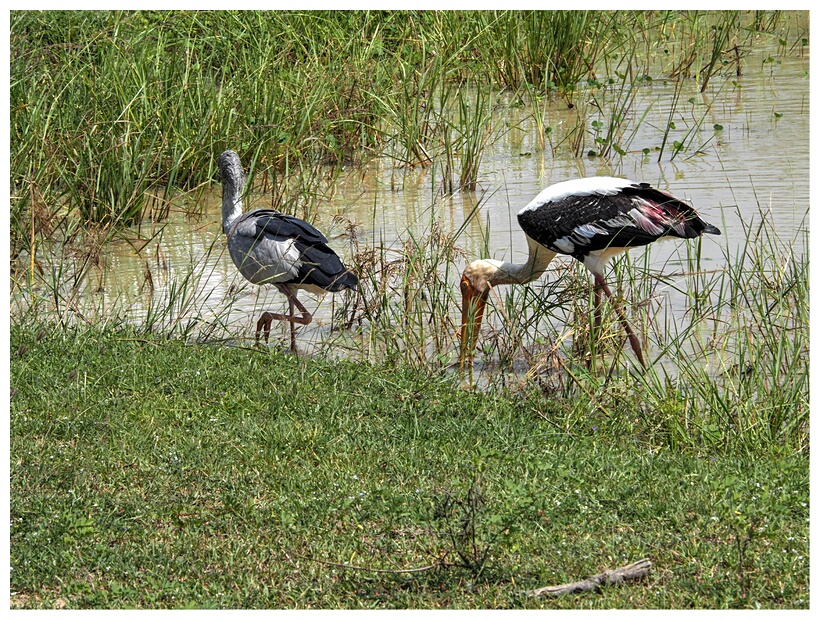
758,163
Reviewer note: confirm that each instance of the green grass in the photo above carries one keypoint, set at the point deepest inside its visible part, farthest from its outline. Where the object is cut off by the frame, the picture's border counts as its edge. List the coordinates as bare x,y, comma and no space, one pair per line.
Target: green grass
149,471
113,113
158,474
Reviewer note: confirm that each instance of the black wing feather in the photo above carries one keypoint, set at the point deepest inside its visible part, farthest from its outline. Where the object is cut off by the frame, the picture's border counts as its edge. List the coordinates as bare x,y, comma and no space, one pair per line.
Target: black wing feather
321,266
578,225
283,226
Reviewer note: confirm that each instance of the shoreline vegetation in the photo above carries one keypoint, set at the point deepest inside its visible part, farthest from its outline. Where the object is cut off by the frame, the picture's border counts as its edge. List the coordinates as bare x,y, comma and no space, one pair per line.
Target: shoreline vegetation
165,464
114,113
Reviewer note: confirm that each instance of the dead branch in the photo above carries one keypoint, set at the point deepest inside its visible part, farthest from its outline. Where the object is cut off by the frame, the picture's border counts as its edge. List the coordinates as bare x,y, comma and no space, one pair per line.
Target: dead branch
635,570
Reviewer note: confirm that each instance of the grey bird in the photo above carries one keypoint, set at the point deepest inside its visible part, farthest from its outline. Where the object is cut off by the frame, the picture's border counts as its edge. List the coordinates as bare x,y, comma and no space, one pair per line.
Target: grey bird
269,247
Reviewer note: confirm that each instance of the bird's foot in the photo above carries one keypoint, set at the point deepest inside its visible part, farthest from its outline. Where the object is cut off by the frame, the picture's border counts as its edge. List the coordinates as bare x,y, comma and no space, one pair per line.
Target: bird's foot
263,326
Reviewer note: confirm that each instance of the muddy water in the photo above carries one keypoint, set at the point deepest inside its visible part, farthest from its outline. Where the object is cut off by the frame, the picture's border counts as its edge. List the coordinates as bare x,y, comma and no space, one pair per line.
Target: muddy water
757,163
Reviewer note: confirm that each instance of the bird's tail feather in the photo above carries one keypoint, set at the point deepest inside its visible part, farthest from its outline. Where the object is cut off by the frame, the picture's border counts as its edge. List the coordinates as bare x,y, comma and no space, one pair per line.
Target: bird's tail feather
709,229
346,280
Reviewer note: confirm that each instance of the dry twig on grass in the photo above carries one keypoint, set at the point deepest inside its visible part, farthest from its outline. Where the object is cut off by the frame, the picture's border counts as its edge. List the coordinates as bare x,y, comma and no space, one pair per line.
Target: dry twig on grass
636,570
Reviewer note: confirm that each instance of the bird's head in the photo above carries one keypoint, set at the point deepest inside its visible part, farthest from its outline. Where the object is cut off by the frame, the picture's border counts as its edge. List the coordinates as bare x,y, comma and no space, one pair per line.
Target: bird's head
475,288
230,170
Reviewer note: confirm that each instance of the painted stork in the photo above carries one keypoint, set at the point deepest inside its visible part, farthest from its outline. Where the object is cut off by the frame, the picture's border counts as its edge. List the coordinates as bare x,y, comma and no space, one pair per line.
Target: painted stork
591,219
269,247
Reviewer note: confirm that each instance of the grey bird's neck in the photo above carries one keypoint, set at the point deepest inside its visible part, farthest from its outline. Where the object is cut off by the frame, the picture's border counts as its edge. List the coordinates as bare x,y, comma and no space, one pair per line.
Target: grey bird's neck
233,182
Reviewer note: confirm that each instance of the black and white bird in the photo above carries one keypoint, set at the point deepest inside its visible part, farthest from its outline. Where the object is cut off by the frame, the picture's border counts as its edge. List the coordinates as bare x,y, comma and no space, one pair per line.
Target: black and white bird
591,219
269,247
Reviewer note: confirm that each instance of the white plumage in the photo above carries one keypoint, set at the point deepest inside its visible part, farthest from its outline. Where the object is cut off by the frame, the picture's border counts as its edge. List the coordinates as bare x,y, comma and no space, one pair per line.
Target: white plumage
577,188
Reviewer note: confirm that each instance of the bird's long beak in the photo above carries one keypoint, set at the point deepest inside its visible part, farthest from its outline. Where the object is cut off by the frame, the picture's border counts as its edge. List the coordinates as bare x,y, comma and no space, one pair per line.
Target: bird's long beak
473,303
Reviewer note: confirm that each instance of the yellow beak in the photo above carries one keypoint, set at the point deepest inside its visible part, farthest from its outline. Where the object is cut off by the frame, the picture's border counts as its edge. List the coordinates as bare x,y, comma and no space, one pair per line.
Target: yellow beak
473,303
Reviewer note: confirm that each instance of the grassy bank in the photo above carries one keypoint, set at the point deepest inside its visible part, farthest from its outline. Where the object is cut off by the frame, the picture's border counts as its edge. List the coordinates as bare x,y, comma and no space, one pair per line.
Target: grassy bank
155,473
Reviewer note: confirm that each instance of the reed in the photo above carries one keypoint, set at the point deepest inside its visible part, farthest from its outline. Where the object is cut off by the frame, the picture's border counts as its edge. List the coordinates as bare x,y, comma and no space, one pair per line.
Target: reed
473,130
542,48
411,115
405,298
721,50
111,109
